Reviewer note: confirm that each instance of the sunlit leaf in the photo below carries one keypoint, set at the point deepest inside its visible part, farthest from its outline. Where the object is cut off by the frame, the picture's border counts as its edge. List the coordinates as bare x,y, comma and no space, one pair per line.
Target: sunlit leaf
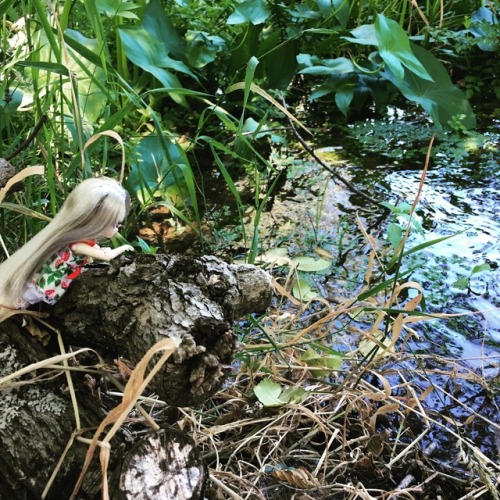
202,48
394,48
480,268
117,8
462,283
268,393
394,235
310,264
302,290
366,346
440,98
363,35
293,395
482,22
254,11
326,362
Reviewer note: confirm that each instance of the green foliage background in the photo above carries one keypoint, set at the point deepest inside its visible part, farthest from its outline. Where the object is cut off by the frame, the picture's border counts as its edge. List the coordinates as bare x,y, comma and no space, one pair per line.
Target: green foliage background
189,85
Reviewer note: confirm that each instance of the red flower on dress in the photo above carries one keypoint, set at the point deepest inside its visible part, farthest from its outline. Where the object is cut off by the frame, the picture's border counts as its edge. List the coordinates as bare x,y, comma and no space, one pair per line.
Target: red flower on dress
65,283
64,256
50,292
75,273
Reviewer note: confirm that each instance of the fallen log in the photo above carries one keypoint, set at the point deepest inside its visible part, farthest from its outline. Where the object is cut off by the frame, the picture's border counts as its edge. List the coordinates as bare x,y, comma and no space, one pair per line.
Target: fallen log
119,310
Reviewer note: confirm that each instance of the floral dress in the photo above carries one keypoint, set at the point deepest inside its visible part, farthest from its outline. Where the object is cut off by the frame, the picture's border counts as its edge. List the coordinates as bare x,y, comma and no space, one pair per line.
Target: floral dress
54,278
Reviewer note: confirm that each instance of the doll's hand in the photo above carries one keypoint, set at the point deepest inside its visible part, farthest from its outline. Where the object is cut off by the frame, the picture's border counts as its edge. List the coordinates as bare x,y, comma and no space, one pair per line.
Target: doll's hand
115,252
99,253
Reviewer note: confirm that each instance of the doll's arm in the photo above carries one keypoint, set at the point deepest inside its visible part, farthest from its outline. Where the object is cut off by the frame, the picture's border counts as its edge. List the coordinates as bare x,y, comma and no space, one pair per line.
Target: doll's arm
96,252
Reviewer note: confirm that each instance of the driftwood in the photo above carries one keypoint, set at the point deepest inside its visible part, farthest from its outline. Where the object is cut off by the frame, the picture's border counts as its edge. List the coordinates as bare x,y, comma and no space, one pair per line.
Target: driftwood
121,310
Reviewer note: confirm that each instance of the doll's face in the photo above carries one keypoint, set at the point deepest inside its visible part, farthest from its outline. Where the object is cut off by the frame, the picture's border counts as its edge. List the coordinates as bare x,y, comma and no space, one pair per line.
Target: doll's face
110,232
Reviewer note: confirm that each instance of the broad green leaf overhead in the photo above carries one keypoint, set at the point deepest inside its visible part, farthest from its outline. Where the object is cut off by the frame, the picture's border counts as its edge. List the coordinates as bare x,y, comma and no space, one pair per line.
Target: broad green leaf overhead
440,98
254,11
394,48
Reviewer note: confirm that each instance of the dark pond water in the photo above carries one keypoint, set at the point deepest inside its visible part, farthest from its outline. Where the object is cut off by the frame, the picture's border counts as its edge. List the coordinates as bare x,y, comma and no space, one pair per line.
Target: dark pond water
458,358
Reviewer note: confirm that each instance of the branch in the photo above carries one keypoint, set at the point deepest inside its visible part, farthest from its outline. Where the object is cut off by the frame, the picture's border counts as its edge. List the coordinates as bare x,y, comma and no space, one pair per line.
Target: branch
329,169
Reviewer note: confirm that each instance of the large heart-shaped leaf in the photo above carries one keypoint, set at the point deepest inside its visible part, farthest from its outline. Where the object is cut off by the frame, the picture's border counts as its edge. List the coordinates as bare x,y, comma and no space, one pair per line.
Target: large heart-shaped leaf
152,168
254,11
202,48
150,54
157,23
440,98
394,48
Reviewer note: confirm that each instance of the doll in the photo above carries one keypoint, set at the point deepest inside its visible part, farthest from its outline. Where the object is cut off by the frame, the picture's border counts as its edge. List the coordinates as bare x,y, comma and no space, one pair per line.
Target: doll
44,267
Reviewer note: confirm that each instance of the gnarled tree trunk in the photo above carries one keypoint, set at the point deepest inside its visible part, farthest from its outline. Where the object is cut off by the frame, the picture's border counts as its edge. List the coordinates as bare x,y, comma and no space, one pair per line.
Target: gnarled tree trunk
120,310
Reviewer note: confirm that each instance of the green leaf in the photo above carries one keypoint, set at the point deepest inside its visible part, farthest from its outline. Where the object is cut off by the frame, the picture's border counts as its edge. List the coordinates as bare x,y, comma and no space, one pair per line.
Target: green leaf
339,7
52,67
117,8
279,63
394,235
462,283
271,394
363,35
394,48
254,11
152,169
293,395
302,290
329,67
440,98
310,264
326,362
480,268
344,97
268,393
202,48
483,22
157,23
149,53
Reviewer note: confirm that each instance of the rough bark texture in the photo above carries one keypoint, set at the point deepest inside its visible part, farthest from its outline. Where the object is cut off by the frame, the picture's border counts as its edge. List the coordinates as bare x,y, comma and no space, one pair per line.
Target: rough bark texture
129,306
166,464
120,310
6,172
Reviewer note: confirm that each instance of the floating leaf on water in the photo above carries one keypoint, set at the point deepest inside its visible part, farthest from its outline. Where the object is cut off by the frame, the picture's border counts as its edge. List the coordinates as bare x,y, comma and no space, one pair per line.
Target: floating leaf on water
462,283
310,264
481,268
303,291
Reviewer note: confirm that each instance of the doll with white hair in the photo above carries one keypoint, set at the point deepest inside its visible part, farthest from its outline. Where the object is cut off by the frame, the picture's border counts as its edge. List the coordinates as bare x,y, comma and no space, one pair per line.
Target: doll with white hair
44,267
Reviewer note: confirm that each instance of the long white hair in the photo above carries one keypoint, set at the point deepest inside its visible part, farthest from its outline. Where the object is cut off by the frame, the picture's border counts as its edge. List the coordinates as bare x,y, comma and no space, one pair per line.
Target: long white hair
92,207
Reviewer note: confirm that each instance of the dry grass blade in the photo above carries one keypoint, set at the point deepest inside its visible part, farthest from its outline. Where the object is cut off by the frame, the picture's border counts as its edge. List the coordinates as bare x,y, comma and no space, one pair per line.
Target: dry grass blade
135,386
46,363
117,137
26,172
